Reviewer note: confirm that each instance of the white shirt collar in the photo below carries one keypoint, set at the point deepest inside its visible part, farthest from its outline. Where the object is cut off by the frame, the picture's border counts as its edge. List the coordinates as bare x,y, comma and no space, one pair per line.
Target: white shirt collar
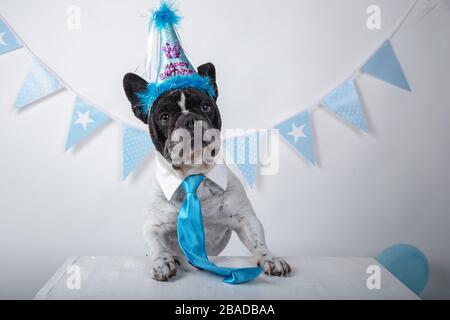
169,182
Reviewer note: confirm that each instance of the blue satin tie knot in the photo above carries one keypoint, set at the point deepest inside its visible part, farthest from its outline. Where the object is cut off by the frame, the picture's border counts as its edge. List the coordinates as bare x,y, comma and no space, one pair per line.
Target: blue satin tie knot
191,183
191,236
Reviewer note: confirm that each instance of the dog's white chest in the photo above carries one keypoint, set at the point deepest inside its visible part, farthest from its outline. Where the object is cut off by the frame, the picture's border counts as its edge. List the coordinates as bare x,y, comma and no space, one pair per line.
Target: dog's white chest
223,209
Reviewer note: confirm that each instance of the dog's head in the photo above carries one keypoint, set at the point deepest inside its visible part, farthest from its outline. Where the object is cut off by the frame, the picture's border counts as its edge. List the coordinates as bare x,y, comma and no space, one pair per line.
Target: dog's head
184,124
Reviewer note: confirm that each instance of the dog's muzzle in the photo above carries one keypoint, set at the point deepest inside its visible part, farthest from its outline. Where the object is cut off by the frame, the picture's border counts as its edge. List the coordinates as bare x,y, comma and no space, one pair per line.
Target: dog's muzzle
188,140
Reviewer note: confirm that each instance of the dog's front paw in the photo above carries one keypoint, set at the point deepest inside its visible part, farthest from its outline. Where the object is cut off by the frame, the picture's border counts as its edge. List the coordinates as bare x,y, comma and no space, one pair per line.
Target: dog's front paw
164,268
274,266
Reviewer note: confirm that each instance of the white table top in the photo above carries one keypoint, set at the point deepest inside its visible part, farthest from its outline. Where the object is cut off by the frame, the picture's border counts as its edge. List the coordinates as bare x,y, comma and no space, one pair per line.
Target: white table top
312,278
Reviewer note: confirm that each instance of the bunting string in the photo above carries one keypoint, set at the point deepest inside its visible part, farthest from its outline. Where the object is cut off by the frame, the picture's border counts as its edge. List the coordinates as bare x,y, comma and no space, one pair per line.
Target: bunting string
343,100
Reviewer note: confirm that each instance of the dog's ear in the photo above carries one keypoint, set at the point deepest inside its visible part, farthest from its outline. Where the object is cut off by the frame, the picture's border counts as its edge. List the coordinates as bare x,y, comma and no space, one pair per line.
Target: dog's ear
209,70
133,84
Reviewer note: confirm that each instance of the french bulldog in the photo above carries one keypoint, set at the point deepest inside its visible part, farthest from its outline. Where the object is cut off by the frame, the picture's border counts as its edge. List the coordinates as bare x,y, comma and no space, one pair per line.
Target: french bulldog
225,206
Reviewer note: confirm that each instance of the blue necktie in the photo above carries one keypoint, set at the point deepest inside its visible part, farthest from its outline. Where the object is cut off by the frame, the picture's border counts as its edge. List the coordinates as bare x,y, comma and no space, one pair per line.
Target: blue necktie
191,236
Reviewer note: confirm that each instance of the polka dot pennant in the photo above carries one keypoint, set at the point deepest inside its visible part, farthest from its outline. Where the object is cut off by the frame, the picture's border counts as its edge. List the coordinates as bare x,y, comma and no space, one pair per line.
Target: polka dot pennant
243,151
39,83
344,102
136,144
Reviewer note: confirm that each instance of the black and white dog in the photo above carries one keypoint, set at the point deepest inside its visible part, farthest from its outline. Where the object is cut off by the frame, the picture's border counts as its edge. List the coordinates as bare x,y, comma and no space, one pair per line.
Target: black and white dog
225,206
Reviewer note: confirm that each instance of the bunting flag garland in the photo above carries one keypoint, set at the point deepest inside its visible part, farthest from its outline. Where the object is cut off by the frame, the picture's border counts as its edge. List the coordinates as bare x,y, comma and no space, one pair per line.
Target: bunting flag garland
86,119
385,66
344,102
8,41
39,83
297,132
136,145
243,151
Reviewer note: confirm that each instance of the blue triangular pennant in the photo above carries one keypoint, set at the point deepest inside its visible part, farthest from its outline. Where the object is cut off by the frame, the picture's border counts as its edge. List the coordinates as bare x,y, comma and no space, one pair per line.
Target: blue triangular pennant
344,101
38,84
385,66
8,41
86,119
243,151
298,133
136,145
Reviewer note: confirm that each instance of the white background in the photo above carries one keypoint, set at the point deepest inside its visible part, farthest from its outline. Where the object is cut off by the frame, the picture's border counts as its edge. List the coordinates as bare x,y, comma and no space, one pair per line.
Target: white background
273,59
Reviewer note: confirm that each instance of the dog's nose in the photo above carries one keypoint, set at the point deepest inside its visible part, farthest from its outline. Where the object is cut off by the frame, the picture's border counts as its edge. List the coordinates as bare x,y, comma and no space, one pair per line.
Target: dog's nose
188,123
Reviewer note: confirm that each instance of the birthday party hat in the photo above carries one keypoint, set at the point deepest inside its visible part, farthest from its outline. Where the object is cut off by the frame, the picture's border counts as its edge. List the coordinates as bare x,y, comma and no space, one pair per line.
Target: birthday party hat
174,70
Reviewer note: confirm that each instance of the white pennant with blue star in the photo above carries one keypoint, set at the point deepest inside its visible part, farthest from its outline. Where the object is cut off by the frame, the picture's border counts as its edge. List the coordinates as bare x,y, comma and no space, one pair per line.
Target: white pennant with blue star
8,41
38,84
86,119
243,151
136,144
298,133
385,66
345,103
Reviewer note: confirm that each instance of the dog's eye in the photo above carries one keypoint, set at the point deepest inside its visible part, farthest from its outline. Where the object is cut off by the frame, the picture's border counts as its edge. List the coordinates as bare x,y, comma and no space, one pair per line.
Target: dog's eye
206,108
164,117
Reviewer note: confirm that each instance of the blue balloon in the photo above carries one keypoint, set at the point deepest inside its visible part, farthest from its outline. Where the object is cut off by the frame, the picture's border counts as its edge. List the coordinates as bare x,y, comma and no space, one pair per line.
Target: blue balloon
408,264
